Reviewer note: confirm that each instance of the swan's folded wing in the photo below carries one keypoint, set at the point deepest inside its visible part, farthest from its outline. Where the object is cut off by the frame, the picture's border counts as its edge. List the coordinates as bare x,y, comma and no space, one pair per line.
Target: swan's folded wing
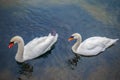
40,48
53,41
87,45
46,44
34,42
91,46
93,42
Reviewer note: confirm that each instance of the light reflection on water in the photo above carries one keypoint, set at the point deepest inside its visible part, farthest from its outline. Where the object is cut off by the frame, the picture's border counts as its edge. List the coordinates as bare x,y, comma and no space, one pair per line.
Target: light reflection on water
60,63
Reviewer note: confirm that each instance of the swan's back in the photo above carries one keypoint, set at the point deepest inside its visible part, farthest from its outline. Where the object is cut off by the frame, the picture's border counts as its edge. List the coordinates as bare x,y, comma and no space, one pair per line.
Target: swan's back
39,46
95,45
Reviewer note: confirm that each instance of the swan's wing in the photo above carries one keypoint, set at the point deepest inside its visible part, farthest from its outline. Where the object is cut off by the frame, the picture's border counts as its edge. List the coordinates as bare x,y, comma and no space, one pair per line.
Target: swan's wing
94,45
89,43
28,48
46,45
53,41
92,42
40,46
34,42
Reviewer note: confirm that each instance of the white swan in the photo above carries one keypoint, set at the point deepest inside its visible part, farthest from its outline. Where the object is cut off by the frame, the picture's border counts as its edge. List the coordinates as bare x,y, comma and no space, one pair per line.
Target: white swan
91,46
34,48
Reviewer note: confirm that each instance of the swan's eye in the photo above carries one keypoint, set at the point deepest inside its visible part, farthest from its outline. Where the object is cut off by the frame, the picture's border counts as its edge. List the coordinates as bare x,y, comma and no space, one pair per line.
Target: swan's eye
71,38
11,44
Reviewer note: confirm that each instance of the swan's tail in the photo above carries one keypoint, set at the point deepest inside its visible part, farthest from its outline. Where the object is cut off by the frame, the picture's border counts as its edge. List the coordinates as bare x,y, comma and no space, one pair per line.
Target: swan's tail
115,40
53,33
112,41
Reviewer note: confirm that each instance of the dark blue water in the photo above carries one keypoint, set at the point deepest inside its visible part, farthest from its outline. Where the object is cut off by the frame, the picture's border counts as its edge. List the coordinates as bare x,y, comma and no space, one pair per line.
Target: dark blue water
34,18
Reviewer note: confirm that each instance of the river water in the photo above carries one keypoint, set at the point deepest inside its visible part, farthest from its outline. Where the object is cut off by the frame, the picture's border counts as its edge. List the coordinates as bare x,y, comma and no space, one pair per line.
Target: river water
35,18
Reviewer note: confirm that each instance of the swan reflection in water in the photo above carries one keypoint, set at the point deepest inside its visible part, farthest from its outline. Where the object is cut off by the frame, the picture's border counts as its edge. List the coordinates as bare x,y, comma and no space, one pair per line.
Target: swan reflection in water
73,62
25,71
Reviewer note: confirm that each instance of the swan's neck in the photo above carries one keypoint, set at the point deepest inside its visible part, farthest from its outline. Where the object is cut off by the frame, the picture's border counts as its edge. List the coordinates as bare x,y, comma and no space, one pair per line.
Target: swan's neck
77,44
20,51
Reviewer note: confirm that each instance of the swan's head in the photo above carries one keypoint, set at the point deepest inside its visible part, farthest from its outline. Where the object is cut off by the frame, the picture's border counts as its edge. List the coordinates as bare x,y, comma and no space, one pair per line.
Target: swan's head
15,39
74,36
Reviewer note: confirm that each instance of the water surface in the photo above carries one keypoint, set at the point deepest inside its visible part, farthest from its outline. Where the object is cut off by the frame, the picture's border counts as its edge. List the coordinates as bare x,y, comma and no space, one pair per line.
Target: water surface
35,18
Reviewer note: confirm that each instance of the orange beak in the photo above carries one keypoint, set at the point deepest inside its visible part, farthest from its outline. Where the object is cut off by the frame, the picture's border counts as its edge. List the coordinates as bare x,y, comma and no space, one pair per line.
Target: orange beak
11,44
70,39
